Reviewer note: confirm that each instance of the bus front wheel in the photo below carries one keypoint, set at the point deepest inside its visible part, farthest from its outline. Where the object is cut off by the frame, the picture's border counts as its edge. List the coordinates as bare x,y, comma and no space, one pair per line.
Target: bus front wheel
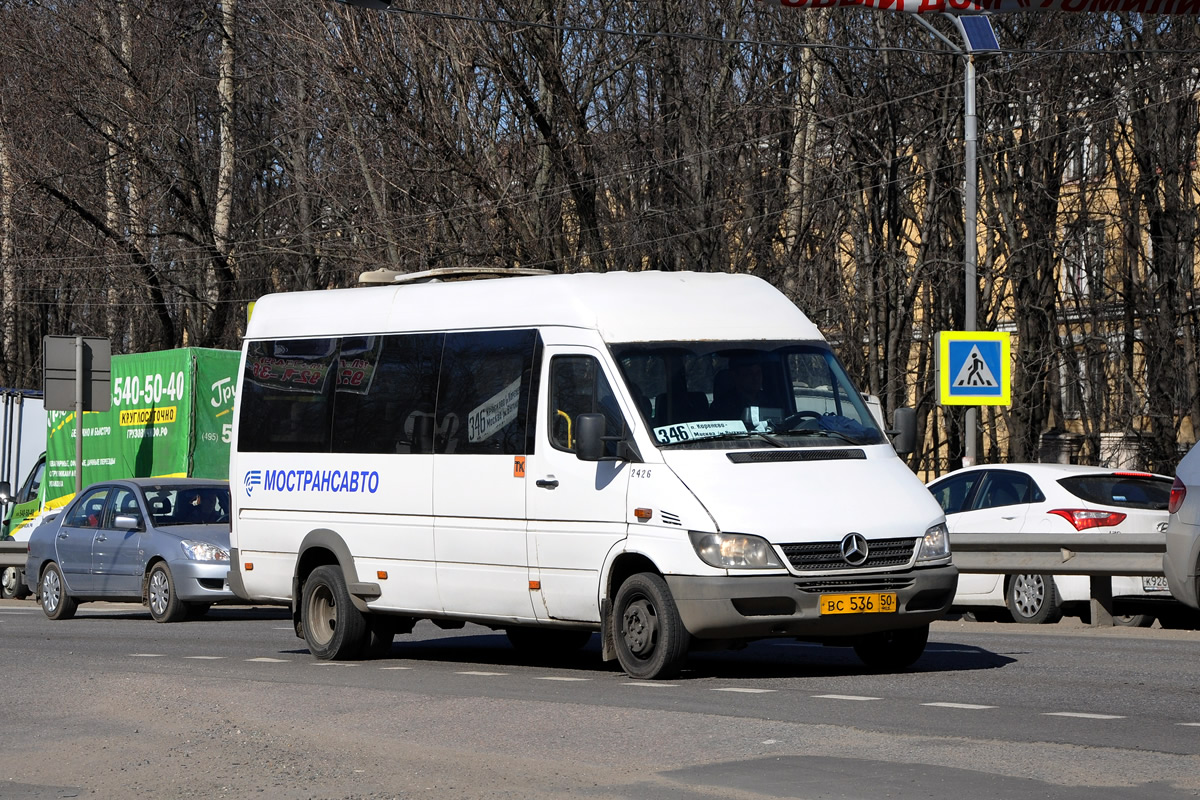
650,639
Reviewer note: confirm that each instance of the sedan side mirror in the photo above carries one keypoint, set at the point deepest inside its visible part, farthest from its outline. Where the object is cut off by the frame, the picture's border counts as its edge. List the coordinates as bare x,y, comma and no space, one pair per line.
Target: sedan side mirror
127,522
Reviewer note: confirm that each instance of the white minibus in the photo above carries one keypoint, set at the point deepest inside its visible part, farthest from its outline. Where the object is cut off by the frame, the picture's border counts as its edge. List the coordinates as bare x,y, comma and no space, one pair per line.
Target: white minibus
674,460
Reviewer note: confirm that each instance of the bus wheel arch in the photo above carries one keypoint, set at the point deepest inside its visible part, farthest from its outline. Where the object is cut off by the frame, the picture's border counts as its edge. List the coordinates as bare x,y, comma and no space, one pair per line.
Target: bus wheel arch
322,548
636,569
623,565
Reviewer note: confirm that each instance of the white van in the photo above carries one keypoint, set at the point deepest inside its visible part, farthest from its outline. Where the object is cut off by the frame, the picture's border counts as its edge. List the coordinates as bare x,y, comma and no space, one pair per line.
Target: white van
675,460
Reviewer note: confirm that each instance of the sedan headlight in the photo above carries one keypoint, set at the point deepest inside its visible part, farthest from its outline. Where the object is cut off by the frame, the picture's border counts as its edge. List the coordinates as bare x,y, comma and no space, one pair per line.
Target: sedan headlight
936,544
203,551
734,550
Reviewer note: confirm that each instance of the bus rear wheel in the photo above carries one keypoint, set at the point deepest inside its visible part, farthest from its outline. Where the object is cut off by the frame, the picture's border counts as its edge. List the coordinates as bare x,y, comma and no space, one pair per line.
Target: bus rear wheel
333,628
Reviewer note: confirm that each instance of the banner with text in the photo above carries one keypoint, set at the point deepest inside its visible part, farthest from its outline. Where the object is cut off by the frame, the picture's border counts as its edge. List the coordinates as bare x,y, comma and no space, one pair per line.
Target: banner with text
171,414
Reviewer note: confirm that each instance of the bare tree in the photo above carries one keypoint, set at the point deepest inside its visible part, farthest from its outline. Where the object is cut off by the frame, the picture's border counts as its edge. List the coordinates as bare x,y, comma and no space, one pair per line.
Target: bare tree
8,259
162,165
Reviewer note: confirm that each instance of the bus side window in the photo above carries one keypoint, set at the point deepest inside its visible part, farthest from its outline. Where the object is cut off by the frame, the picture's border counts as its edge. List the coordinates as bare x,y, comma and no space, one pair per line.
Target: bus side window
385,383
485,390
287,396
578,386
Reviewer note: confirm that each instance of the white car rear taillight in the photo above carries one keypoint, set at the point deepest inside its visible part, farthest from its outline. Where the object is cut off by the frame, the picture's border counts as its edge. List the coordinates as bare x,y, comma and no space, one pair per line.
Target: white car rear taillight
1083,519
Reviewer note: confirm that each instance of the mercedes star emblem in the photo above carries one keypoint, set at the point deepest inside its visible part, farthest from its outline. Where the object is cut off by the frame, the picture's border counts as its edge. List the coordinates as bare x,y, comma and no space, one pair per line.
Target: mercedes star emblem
854,549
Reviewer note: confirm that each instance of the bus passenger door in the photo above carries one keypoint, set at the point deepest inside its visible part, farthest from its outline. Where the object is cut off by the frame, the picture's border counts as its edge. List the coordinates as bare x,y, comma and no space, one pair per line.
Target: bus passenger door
576,508
478,492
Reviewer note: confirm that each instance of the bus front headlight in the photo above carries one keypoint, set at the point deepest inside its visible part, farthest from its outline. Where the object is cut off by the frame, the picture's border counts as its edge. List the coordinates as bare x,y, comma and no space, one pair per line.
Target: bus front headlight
936,544
734,550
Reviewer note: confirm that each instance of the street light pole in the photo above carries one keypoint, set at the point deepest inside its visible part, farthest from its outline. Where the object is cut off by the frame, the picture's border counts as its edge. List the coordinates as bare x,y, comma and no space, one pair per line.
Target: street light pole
978,37
970,244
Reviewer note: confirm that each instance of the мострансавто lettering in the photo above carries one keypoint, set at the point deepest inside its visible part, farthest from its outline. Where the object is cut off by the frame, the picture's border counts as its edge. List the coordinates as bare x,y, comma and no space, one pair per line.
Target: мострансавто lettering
322,480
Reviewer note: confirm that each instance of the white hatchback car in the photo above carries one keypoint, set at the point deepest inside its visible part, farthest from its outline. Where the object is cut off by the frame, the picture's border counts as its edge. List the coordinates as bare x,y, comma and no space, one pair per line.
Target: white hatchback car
1056,498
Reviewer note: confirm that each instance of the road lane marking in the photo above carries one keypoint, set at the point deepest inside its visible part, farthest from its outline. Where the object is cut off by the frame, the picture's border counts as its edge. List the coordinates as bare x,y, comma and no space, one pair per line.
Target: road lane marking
265,660
147,655
650,685
206,658
844,697
966,706
479,672
1081,715
395,667
743,690
1189,724
562,678
334,664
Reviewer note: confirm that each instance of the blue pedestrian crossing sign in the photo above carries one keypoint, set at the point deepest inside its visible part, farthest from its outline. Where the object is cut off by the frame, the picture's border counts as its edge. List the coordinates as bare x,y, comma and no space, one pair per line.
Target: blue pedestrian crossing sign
974,368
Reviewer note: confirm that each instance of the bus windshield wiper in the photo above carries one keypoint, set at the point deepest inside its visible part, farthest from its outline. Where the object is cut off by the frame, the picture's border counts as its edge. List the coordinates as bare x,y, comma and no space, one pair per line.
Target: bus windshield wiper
818,432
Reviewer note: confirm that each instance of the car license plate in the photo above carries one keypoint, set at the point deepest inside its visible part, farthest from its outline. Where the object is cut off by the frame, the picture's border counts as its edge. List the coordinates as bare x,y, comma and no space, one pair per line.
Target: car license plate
875,603
1155,583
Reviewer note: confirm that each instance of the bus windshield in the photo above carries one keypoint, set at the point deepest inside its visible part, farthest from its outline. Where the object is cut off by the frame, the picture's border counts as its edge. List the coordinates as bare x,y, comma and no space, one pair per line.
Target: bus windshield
704,394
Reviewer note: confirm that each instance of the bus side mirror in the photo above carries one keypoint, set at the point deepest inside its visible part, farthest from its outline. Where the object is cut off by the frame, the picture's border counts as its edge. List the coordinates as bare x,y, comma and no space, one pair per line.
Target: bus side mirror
904,437
5,492
590,441
589,437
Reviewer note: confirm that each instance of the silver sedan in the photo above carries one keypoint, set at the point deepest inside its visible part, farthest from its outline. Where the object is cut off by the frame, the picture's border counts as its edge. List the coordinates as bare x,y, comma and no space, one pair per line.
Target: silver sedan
160,541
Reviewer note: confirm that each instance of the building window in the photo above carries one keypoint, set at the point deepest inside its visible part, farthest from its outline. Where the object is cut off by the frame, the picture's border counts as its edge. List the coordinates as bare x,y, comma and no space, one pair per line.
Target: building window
1085,157
1083,380
1083,262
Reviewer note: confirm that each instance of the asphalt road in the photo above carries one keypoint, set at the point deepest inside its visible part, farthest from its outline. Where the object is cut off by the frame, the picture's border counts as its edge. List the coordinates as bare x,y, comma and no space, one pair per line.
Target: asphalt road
111,704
